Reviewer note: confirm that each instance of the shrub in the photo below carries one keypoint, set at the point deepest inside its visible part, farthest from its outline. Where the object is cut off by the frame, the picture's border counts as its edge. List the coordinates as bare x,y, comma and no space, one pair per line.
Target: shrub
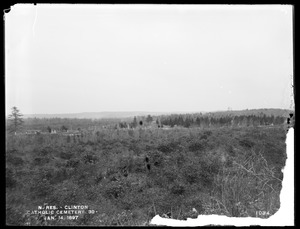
230,149
168,148
131,133
12,152
58,175
179,159
86,219
85,179
66,155
157,158
203,137
138,166
191,174
40,161
99,178
14,160
73,163
207,133
14,216
10,181
195,202
65,192
246,143
41,188
177,189
114,190
199,172
46,151
89,158
196,146
129,201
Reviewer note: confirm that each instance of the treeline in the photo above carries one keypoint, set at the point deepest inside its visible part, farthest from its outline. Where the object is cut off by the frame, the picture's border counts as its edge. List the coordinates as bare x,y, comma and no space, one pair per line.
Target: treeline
212,121
185,120
137,121
206,120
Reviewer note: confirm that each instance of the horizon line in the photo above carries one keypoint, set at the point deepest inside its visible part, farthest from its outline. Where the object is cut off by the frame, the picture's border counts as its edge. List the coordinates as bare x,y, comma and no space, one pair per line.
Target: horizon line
137,111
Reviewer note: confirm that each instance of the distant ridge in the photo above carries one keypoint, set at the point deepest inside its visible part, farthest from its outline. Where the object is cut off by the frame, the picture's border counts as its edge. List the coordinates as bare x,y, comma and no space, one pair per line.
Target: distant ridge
130,114
96,115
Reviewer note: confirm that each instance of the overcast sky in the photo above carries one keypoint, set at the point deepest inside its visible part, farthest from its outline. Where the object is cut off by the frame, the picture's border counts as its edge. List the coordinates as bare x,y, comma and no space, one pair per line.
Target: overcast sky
90,58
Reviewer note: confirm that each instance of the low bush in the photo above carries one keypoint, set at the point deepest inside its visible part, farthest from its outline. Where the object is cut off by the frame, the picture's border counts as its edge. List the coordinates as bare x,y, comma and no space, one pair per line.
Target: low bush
14,160
10,181
66,193
41,188
59,175
196,146
114,190
166,148
66,155
246,143
40,161
73,163
177,189
14,216
90,158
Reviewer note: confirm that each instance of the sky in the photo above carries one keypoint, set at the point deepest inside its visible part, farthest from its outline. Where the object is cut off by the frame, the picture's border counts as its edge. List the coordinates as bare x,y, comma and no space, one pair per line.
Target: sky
69,58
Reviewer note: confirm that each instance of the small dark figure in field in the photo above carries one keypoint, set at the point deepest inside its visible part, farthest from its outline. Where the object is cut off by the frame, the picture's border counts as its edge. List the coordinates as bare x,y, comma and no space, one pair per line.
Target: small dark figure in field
147,163
124,171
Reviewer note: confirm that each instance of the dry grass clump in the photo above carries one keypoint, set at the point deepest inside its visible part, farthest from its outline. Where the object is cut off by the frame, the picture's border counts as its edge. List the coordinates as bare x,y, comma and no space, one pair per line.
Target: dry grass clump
247,189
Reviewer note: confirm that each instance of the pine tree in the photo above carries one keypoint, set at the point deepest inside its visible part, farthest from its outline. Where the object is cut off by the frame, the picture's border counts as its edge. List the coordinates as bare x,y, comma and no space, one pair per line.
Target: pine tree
149,119
15,120
63,128
134,123
198,121
157,122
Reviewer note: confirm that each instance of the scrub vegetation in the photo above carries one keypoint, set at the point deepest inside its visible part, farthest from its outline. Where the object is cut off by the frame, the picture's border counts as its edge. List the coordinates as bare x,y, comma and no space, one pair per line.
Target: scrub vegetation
129,175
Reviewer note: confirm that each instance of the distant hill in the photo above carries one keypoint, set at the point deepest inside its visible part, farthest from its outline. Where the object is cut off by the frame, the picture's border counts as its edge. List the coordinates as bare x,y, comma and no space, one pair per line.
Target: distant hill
131,114
96,115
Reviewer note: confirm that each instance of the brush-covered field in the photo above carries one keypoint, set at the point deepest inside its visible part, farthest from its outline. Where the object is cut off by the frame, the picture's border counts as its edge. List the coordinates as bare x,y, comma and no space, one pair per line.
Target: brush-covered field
128,176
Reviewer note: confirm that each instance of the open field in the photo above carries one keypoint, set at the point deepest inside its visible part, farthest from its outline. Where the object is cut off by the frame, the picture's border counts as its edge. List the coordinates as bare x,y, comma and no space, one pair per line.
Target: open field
129,175
120,115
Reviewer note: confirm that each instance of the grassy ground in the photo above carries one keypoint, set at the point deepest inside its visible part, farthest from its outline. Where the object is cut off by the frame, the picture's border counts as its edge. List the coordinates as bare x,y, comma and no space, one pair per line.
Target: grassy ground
228,171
